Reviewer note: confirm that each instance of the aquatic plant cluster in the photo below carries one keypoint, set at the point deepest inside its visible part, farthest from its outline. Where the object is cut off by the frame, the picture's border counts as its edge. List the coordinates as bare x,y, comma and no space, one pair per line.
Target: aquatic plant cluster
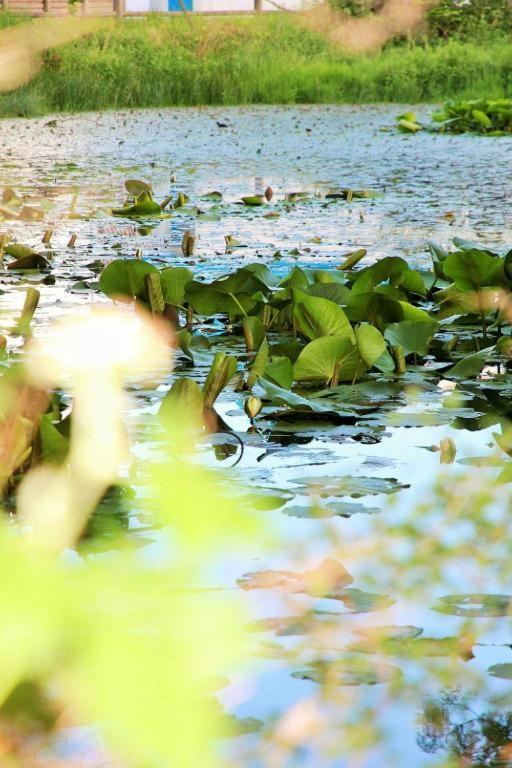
294,345
489,117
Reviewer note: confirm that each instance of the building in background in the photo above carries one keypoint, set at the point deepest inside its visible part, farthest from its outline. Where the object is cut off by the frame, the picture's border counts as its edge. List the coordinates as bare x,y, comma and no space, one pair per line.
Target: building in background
207,6
110,7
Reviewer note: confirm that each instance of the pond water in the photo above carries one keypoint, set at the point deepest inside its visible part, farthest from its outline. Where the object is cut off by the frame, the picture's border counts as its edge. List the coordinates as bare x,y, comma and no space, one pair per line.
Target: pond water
388,696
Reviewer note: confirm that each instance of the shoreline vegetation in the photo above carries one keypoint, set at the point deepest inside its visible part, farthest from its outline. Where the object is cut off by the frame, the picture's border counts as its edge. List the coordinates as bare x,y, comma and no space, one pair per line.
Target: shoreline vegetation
269,59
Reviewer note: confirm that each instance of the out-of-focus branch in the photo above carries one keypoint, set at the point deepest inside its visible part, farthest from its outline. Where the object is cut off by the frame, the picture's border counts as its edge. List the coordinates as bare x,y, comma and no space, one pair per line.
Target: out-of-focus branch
396,17
20,46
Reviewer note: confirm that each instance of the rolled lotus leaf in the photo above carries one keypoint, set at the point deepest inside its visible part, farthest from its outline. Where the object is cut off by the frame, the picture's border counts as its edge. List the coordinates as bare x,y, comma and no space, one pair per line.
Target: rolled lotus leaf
253,200
135,187
18,250
144,206
31,261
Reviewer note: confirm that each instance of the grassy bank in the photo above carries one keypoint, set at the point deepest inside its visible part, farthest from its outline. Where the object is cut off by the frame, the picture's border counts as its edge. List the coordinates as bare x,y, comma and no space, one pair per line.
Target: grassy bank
238,60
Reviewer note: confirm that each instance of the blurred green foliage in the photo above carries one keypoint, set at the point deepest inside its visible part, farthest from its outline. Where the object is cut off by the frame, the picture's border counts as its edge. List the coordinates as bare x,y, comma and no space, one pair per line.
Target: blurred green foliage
355,8
123,642
470,20
8,19
464,19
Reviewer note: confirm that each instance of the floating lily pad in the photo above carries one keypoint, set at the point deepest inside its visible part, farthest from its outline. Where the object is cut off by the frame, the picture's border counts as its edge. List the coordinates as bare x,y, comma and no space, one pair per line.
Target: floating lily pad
349,485
254,200
359,601
302,404
475,605
414,647
32,261
503,671
295,626
379,632
349,672
336,509
329,579
214,196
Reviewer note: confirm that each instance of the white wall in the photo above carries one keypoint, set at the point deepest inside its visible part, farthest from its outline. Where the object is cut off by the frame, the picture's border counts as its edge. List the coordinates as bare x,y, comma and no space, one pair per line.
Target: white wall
242,5
136,6
210,5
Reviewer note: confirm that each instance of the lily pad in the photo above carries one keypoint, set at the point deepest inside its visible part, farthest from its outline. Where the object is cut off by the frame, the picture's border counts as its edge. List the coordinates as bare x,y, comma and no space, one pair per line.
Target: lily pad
32,261
475,605
414,647
336,509
254,200
355,487
349,672
412,336
503,671
316,317
329,579
296,402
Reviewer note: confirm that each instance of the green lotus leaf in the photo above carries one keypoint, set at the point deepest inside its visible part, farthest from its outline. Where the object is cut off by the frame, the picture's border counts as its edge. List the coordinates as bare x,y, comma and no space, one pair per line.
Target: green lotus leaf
222,370
471,269
279,370
328,360
173,281
315,317
412,336
182,406
124,280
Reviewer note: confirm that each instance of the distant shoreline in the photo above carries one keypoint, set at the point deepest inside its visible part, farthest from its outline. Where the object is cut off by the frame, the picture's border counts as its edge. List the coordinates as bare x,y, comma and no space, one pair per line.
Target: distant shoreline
268,59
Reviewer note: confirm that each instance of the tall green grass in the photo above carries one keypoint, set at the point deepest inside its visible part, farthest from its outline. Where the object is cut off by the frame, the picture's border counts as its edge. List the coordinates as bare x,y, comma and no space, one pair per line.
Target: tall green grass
271,59
9,19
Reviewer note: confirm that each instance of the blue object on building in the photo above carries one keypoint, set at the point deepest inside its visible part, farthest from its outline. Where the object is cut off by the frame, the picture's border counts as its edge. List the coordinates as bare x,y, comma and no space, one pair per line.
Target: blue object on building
174,5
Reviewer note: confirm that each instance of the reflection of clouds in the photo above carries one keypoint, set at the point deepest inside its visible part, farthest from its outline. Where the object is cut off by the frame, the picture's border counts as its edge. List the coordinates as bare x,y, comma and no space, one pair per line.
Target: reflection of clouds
421,548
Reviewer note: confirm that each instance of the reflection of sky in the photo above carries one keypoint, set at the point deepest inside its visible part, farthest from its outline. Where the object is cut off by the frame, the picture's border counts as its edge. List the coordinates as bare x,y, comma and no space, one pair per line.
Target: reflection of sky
423,178
404,458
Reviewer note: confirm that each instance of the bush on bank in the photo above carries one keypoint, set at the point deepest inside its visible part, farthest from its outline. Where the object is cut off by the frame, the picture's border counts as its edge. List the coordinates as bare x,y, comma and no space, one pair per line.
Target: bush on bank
157,62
